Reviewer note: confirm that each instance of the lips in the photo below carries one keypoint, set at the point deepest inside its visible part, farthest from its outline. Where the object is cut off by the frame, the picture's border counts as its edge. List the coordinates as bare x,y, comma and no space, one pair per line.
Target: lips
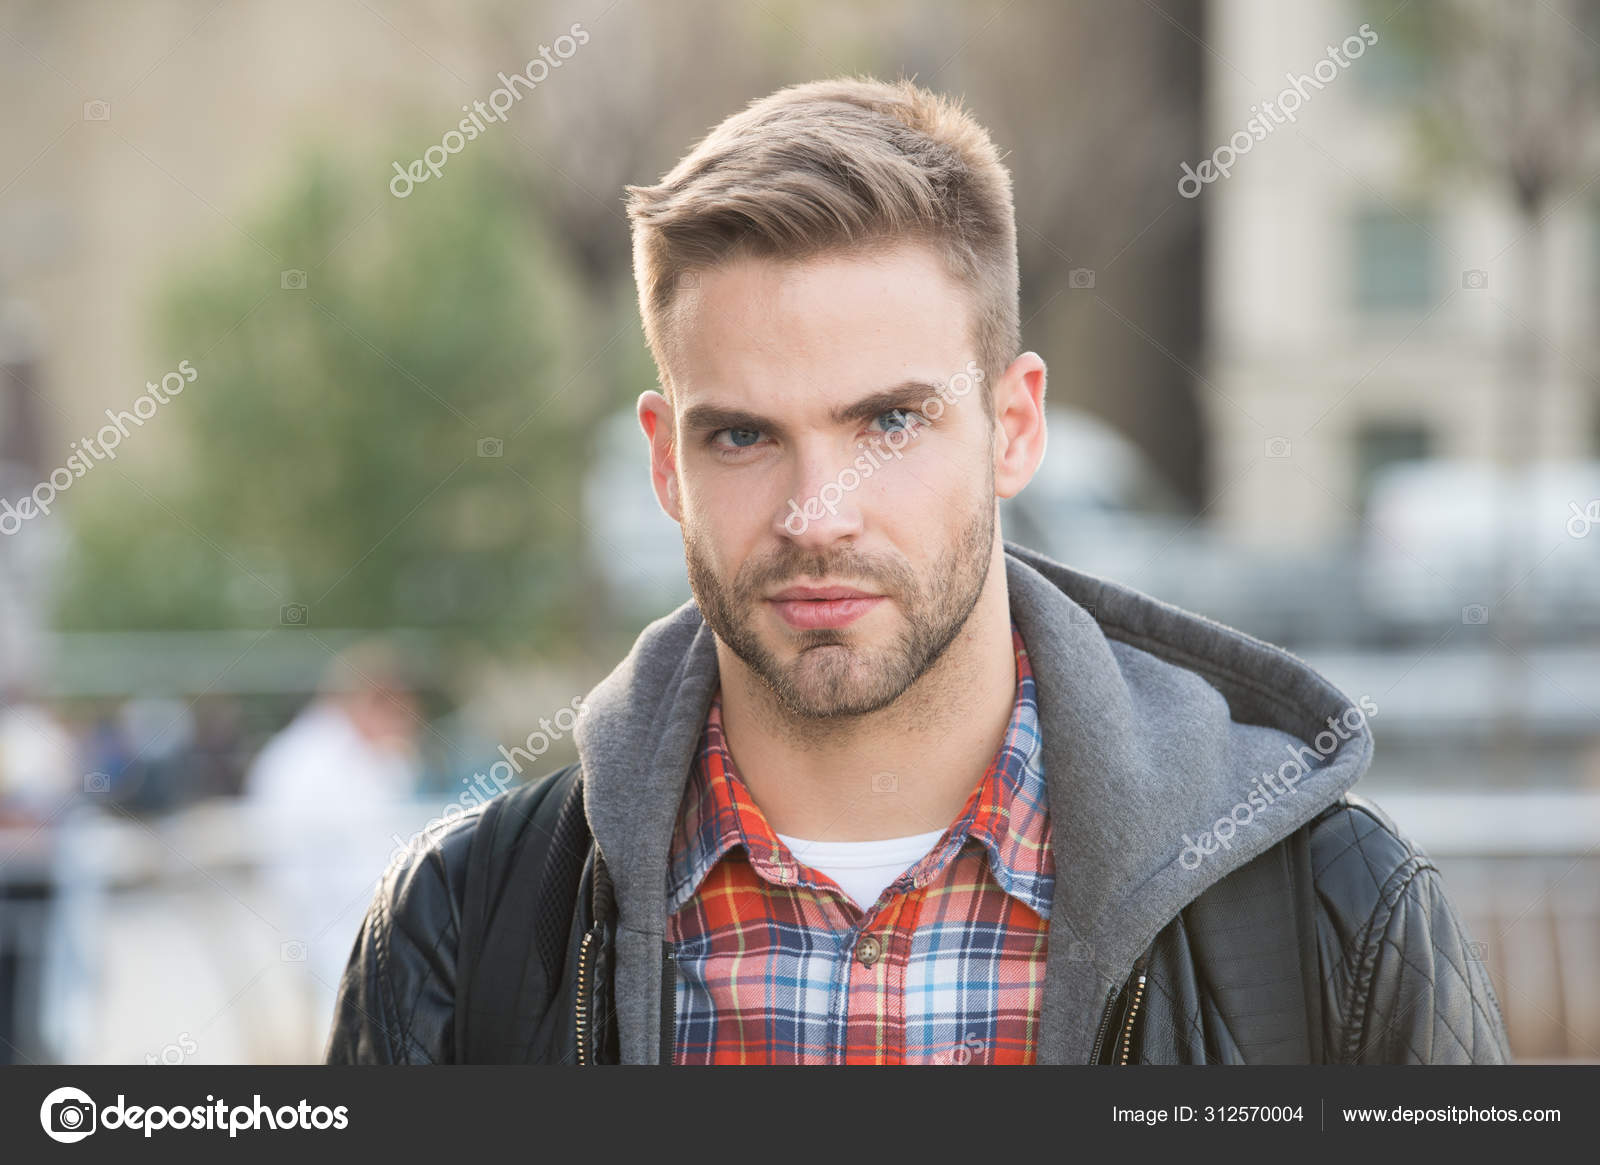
821,594
814,608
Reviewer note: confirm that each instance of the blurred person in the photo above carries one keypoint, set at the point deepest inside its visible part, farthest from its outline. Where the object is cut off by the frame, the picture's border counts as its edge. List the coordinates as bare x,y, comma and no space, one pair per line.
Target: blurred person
105,746
356,742
158,774
326,788
892,789
38,762
38,782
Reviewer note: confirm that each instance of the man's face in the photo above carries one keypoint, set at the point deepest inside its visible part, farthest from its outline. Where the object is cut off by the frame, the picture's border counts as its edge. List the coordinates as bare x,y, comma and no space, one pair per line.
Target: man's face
837,535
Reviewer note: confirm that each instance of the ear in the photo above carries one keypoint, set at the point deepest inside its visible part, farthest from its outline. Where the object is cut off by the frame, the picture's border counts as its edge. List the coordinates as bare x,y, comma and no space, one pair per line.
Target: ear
1019,434
656,418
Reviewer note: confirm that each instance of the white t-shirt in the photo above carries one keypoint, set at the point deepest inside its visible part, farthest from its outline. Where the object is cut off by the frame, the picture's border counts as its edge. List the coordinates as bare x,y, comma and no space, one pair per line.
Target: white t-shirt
863,869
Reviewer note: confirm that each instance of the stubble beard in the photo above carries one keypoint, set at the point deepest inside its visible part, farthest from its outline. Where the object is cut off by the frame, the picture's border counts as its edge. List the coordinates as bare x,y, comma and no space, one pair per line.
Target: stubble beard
832,675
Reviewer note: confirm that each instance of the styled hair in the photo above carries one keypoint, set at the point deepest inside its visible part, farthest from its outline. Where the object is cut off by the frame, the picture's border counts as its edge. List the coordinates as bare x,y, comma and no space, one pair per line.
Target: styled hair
847,164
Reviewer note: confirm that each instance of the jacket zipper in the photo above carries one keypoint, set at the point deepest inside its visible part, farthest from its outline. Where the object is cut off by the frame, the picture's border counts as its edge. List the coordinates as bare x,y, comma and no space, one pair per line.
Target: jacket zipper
669,1007
1105,1022
584,1006
1124,1038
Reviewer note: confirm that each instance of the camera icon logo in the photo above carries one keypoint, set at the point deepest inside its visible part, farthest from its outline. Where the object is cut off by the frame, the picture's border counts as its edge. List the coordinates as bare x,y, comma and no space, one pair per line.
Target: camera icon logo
1477,951
293,951
1278,447
97,111
1474,613
688,280
1081,278
1080,951
1474,280
885,782
67,1115
292,614
491,447
293,279
97,782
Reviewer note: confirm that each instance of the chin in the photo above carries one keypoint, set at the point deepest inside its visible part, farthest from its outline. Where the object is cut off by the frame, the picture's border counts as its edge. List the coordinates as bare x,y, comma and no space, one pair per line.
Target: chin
838,679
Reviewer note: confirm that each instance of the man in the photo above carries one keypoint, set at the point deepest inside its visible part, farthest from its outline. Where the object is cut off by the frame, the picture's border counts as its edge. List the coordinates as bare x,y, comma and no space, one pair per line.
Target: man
325,790
890,790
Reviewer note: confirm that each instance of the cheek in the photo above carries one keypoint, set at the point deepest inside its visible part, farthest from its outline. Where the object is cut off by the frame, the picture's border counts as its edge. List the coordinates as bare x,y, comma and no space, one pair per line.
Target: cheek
751,491
926,489
725,516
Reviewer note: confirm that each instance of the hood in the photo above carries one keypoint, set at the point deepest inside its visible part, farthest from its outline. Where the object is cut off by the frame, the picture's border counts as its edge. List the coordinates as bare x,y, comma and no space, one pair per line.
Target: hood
1158,725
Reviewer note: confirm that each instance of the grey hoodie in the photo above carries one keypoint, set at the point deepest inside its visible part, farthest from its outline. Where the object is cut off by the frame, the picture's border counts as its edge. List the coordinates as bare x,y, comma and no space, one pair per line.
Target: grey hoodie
1158,723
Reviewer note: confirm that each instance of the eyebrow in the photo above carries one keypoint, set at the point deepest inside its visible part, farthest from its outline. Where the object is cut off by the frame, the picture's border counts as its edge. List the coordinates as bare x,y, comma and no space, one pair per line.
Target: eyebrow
909,394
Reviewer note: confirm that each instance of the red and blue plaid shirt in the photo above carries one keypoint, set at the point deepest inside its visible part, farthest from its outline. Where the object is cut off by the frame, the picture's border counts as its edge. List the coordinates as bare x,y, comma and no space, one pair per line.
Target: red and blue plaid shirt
776,964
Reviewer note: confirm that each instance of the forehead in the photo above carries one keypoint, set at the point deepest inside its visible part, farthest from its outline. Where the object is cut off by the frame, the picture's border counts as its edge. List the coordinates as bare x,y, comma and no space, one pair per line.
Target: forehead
822,330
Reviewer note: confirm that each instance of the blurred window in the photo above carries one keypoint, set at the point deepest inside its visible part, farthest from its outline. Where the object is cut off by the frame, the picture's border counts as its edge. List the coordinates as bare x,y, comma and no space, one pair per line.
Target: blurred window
1395,260
1379,444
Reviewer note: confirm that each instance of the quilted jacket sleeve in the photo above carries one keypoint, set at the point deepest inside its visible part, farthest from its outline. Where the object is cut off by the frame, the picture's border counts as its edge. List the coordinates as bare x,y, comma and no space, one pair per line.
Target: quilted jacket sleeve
1402,983
396,1001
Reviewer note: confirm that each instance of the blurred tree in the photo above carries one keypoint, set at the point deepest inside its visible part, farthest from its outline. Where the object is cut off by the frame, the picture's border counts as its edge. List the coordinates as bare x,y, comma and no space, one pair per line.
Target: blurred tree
387,430
1514,94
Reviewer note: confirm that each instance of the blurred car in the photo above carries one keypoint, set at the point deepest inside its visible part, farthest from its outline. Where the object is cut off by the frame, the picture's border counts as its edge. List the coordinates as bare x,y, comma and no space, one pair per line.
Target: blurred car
1453,539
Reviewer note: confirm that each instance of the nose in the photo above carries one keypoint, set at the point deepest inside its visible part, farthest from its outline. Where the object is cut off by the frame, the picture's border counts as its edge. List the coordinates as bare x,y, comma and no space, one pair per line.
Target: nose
824,506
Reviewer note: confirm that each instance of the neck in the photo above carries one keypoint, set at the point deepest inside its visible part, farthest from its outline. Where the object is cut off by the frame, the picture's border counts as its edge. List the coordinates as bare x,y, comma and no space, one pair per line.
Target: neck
905,769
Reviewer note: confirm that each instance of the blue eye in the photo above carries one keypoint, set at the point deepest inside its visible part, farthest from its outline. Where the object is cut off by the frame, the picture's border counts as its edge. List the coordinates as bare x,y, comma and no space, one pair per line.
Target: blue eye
900,419
735,438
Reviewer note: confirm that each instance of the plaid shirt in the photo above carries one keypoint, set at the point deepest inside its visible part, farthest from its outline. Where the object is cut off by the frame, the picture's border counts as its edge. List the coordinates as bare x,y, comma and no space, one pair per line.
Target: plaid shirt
777,965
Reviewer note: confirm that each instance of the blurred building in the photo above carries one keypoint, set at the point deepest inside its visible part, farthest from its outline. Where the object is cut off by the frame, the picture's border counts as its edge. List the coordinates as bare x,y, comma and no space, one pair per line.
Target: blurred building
1366,307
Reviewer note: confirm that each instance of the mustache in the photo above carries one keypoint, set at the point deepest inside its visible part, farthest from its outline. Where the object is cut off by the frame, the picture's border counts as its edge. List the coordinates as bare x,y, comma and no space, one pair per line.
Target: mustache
791,566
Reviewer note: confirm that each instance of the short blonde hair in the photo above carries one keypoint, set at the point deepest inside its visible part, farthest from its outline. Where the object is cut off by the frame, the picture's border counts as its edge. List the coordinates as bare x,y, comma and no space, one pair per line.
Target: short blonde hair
844,164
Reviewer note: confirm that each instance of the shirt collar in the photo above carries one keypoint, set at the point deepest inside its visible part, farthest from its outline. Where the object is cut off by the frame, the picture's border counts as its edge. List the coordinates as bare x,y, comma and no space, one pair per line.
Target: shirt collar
1007,813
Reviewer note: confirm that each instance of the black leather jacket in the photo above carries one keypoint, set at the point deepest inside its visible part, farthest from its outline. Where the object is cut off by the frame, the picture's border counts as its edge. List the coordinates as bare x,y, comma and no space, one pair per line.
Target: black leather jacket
1385,974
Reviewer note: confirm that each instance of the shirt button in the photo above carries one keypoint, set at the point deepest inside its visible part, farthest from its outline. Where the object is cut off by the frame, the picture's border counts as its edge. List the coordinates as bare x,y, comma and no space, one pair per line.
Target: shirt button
868,949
